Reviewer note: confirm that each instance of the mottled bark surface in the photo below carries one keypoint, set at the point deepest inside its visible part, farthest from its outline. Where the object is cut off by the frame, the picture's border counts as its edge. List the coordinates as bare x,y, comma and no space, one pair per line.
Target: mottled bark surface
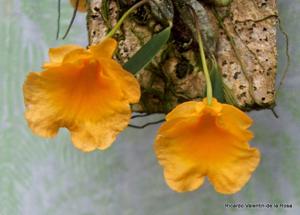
243,42
249,64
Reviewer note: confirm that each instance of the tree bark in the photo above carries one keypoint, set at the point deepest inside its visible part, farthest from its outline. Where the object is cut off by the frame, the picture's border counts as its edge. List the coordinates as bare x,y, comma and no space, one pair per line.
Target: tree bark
245,49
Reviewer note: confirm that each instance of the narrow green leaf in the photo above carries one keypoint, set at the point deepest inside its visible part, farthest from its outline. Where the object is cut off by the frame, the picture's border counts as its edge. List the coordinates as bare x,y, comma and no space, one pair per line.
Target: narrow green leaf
148,51
217,82
105,10
229,98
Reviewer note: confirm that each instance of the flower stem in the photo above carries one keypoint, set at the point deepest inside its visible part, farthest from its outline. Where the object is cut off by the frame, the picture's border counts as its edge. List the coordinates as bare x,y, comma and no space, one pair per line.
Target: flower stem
206,73
209,93
119,23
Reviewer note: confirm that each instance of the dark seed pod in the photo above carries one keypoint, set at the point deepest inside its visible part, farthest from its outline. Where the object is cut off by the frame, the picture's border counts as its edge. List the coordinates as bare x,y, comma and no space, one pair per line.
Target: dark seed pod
162,10
184,9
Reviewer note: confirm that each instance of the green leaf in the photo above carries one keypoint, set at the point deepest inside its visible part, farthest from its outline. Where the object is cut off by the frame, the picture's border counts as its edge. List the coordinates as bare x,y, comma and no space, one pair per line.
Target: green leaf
105,10
229,97
217,81
148,51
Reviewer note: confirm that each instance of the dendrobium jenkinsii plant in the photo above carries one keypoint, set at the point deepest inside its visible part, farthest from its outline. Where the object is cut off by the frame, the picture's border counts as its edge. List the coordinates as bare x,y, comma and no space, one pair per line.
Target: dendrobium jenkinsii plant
88,92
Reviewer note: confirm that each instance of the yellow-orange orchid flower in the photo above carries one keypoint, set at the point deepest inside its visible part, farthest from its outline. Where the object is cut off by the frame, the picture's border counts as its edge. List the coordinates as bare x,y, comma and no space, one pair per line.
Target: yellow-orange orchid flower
84,90
199,140
82,5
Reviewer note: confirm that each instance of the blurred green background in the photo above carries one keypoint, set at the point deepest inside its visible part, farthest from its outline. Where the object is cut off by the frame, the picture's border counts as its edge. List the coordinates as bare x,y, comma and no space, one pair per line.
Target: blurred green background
41,177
